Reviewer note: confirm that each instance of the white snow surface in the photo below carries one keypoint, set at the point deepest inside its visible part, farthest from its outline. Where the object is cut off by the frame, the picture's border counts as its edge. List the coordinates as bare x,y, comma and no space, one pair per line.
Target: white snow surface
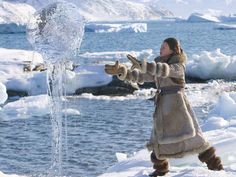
108,27
212,65
14,78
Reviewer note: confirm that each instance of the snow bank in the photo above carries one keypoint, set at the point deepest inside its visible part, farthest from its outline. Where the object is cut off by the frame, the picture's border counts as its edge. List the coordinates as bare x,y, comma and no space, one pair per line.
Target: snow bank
14,16
140,166
109,28
203,17
212,65
12,73
87,76
225,27
3,93
226,105
206,65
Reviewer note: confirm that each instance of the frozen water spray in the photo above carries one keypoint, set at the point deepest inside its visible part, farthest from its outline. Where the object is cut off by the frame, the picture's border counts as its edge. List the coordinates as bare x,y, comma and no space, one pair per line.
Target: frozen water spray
56,31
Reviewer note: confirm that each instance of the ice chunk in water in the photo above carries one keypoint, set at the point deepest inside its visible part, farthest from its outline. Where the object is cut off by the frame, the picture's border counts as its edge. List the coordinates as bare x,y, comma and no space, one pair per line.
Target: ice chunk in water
3,93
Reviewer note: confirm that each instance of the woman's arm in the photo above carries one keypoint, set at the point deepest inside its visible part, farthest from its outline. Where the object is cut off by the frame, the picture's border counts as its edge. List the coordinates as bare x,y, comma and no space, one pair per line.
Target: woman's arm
136,76
159,69
123,73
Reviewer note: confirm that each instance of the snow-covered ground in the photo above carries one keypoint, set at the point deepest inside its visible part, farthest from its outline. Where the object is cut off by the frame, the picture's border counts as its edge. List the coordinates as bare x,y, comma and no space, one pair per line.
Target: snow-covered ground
108,28
13,76
212,65
219,128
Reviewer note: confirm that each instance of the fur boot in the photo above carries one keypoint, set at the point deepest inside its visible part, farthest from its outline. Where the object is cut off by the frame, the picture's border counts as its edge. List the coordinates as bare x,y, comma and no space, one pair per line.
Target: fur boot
213,162
161,166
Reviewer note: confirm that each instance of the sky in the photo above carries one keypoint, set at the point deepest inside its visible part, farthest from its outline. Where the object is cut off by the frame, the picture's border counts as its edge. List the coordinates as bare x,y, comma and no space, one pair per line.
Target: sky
184,8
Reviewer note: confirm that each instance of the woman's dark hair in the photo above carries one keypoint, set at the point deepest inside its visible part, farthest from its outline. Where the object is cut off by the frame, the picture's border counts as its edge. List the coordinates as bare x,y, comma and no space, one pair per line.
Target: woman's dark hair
174,45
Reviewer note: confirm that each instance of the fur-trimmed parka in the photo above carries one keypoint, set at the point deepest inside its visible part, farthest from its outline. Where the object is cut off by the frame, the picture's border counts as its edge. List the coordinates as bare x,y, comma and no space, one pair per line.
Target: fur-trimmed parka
175,130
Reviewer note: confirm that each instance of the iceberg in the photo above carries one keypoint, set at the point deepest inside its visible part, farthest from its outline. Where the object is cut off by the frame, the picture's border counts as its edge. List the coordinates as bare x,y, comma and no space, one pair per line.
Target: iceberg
3,93
30,106
226,27
115,55
199,17
109,28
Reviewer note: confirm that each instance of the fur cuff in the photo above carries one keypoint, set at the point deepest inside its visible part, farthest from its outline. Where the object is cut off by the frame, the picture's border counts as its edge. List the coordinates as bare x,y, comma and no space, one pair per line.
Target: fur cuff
123,73
140,79
151,68
135,76
143,66
162,69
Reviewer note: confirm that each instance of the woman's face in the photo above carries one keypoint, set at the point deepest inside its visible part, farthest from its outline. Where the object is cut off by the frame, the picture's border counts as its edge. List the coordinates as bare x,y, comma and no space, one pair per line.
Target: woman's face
165,50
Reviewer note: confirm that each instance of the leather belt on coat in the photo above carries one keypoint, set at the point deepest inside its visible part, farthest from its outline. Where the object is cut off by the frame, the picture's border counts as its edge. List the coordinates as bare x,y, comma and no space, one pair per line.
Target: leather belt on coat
168,90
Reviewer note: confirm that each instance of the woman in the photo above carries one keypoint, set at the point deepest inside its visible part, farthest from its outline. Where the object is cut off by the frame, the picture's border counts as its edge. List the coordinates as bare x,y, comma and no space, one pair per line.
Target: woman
175,132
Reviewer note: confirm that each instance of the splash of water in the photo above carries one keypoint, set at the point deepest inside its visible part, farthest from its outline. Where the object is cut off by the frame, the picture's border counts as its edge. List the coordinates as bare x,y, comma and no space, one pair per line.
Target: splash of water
55,78
56,31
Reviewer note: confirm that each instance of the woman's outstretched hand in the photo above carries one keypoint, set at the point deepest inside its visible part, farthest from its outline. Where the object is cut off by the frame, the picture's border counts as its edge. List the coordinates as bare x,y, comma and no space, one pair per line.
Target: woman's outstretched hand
135,62
120,70
112,69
